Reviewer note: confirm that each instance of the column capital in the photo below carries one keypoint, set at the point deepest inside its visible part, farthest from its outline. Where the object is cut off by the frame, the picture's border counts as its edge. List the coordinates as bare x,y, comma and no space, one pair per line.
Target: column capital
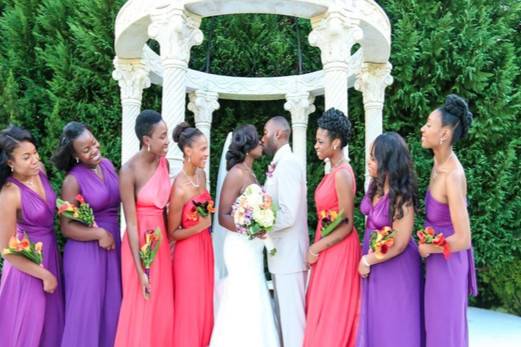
372,81
335,34
203,104
132,76
177,31
299,105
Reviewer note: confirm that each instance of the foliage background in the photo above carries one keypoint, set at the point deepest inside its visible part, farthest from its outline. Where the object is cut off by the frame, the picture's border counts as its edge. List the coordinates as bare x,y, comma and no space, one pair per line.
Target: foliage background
56,62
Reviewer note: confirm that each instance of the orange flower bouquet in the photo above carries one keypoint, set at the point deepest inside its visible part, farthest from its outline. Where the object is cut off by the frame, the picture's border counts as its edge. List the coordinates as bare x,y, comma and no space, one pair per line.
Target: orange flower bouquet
83,213
148,251
429,237
202,208
381,241
25,248
330,219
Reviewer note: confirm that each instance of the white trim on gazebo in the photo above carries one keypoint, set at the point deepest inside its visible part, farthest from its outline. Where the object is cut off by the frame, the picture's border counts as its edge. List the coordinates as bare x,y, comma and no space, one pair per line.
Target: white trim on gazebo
336,27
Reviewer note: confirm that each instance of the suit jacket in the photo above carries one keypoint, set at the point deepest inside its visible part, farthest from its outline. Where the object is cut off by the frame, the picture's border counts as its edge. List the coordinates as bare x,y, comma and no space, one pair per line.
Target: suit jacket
287,186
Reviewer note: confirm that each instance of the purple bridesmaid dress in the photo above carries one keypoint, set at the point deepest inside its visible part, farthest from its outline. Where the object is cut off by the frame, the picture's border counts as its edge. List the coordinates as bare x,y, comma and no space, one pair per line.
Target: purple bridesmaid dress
28,315
447,285
92,274
391,311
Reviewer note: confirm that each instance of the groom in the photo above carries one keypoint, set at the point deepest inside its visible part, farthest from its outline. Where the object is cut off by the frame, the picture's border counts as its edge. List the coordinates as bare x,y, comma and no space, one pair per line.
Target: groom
286,183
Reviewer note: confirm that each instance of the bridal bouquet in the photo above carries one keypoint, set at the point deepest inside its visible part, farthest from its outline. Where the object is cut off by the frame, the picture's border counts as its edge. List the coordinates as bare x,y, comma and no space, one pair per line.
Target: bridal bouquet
429,237
148,251
381,241
83,213
202,208
330,219
25,248
254,214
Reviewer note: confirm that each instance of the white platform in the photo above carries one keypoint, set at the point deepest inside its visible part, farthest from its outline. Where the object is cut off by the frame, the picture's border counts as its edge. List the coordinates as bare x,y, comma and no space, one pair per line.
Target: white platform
493,329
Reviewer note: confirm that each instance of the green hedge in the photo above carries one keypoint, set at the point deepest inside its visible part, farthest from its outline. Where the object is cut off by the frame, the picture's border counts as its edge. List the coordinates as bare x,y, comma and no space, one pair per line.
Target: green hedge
56,62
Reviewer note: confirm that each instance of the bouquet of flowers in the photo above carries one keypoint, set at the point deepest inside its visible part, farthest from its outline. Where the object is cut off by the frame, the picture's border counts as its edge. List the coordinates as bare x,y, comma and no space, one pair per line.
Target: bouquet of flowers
148,251
202,208
381,241
25,248
330,219
429,237
83,213
254,214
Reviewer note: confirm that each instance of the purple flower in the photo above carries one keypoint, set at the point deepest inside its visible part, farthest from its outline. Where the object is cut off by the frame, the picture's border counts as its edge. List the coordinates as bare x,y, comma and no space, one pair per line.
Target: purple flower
271,169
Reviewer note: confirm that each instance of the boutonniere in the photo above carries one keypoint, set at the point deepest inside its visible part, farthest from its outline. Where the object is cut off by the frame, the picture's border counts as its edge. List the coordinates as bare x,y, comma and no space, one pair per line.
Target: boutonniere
271,169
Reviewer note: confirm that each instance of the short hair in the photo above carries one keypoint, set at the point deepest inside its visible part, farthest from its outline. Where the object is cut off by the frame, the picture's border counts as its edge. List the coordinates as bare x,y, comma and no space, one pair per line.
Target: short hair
282,124
338,126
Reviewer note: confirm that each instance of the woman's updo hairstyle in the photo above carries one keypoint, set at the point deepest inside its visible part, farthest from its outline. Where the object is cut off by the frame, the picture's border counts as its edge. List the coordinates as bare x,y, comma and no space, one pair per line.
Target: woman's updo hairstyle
145,123
64,158
455,113
10,139
338,126
244,139
185,135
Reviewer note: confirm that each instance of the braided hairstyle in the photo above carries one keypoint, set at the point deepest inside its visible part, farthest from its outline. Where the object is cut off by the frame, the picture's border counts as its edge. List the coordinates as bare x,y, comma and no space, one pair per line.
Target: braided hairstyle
455,113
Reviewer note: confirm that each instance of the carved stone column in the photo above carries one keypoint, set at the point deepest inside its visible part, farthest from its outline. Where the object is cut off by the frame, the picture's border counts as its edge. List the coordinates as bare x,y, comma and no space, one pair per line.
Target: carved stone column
335,34
203,104
372,81
299,105
176,31
132,77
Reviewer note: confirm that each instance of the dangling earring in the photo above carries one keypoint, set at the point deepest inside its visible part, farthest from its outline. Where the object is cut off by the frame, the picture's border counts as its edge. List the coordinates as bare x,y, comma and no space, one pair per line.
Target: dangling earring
148,149
77,160
12,168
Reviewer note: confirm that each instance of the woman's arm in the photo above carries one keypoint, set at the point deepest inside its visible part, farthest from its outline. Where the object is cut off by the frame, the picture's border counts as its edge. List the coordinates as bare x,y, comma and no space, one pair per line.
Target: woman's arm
344,191
127,192
404,227
75,230
10,197
455,186
231,189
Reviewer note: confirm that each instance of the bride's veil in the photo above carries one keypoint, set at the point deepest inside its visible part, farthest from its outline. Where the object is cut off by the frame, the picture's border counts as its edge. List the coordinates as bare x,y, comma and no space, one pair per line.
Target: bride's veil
218,231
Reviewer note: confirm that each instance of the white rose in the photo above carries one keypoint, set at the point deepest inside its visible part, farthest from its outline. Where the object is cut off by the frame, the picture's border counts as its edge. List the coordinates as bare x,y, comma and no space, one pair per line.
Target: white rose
264,217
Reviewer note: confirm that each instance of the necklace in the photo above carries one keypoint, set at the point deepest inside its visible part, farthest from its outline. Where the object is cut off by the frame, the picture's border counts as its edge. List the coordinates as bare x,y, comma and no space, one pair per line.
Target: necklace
194,184
436,171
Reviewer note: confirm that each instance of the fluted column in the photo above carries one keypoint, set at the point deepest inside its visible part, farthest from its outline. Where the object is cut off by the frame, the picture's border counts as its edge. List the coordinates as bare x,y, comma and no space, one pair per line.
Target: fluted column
203,104
372,81
335,34
299,105
176,31
132,76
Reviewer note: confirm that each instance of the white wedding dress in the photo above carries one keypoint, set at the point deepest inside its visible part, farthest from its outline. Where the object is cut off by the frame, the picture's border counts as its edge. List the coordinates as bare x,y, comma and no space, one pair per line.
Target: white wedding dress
245,315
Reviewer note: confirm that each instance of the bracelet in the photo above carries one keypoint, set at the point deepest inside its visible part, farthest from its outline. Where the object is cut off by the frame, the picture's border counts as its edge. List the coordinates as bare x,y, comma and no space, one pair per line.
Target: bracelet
313,254
365,262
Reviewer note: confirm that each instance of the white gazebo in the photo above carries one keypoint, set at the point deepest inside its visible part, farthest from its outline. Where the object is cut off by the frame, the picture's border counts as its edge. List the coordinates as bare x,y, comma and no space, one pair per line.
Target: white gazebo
336,27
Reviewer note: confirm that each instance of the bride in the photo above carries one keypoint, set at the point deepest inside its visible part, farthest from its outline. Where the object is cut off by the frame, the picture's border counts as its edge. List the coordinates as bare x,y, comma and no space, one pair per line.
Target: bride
245,315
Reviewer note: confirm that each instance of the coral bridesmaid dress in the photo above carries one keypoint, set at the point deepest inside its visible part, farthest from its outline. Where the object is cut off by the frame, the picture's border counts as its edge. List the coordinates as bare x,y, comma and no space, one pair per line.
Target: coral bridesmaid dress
193,271
333,295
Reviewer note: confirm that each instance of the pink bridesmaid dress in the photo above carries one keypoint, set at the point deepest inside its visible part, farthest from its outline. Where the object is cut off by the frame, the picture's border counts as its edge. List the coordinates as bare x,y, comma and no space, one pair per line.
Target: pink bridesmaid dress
148,323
